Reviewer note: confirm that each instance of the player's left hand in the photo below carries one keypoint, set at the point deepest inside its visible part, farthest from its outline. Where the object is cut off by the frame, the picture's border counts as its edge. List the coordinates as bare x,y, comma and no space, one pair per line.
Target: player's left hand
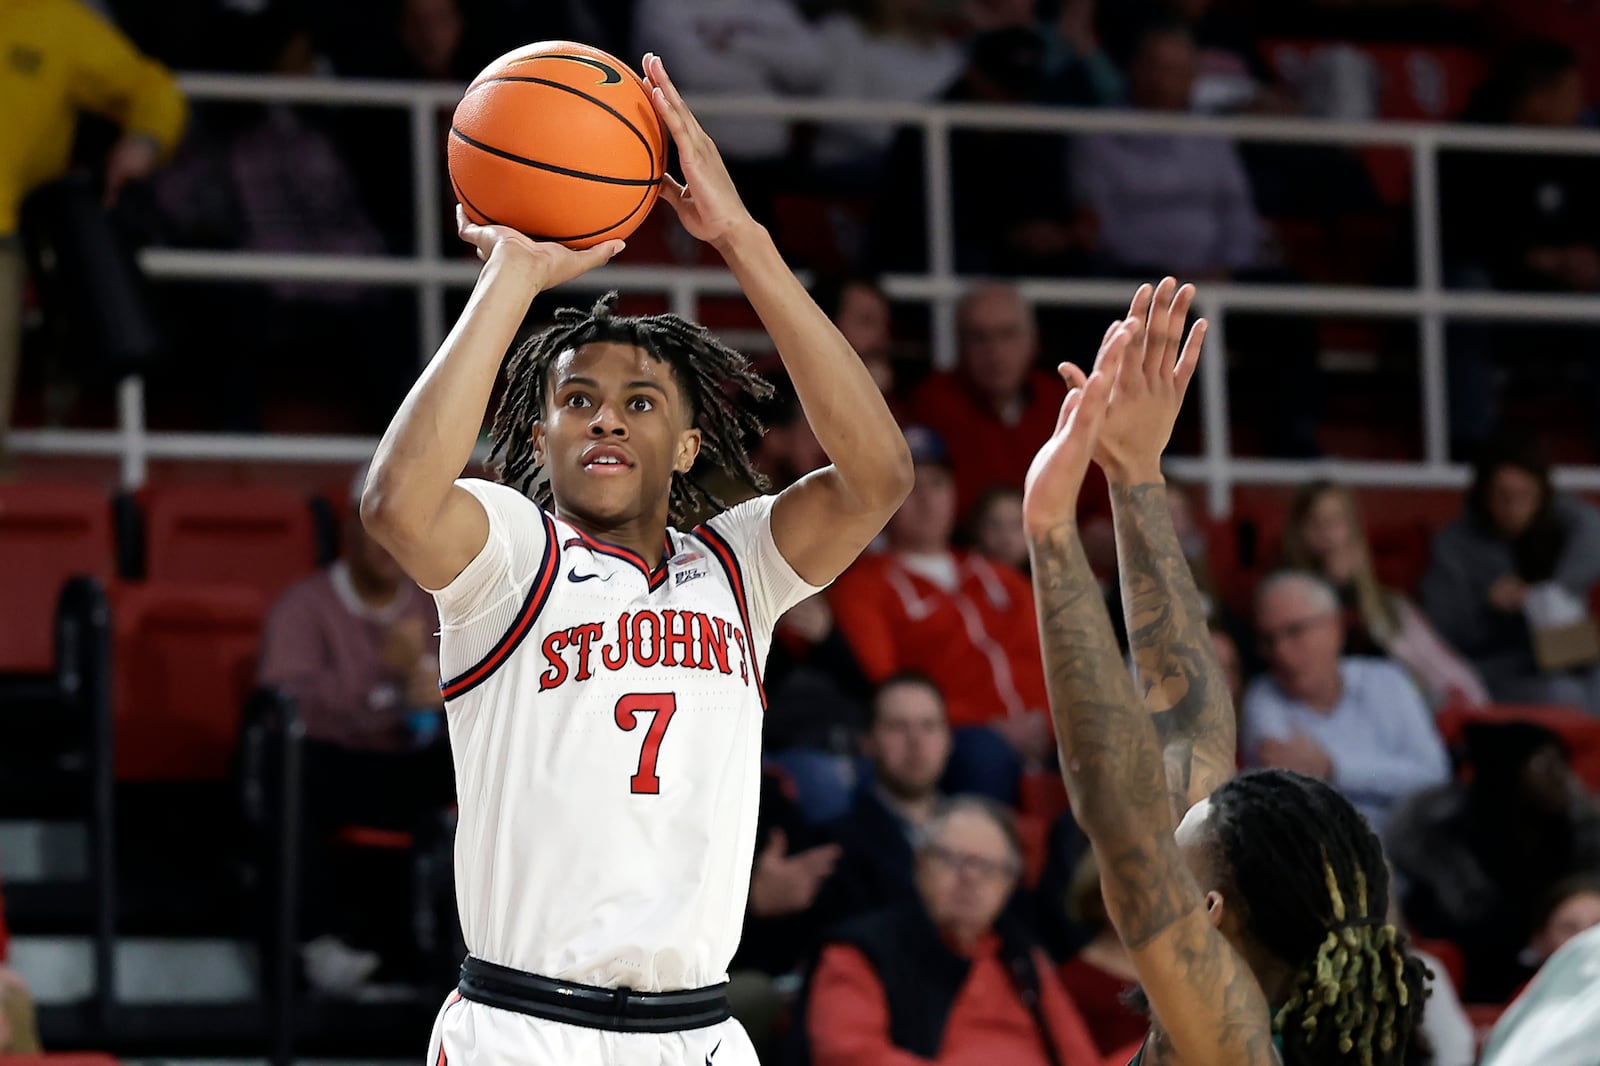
1050,491
706,202
1151,385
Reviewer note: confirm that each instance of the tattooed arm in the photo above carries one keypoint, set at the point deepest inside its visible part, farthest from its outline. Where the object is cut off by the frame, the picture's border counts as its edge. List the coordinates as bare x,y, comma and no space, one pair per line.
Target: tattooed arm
1181,681
1208,1007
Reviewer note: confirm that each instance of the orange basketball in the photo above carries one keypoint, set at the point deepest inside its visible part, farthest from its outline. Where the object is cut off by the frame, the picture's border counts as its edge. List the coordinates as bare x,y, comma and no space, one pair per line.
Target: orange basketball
560,141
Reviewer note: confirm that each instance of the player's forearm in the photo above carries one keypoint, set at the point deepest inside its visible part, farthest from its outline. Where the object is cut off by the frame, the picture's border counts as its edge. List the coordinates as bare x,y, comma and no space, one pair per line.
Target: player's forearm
1110,755
843,405
1182,683
430,440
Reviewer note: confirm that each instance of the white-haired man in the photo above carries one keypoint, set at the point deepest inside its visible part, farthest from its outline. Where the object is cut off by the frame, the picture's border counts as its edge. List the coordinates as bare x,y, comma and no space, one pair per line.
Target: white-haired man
1358,723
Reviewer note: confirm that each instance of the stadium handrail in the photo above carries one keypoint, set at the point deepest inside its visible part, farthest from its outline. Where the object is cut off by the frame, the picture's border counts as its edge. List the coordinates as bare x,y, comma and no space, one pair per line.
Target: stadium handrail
431,274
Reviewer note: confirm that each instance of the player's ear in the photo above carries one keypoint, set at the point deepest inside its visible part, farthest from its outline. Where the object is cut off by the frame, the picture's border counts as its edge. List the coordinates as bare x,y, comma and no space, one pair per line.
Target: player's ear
1216,908
538,443
688,451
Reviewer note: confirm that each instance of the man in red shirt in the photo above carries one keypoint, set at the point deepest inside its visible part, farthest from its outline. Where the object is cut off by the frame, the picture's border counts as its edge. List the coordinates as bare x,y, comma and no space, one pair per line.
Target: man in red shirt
997,408
964,622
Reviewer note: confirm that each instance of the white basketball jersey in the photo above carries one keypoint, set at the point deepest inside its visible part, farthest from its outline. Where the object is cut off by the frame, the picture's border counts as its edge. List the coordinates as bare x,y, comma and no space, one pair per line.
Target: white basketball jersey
605,717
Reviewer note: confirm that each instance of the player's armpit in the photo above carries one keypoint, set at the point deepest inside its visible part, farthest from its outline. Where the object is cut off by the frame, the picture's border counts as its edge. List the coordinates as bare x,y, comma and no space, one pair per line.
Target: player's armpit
820,526
1208,1008
432,550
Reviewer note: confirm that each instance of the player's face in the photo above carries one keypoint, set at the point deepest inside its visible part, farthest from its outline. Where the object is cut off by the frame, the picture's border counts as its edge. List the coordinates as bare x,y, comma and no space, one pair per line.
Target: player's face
910,741
615,429
966,874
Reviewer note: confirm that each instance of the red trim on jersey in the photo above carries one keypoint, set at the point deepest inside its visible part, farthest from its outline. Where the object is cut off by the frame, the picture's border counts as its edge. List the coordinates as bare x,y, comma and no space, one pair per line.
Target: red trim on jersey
653,577
521,626
723,551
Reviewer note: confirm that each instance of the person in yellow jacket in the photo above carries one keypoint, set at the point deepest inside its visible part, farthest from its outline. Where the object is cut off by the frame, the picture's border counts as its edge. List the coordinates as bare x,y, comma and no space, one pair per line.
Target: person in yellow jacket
57,58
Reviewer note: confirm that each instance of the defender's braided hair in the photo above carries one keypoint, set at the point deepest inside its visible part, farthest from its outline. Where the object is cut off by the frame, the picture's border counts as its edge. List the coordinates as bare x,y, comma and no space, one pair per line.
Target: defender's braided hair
1315,892
713,378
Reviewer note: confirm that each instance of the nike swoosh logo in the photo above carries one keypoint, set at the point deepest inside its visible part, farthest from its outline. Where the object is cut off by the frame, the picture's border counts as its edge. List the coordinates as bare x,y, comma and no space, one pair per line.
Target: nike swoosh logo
612,77
574,577
713,1052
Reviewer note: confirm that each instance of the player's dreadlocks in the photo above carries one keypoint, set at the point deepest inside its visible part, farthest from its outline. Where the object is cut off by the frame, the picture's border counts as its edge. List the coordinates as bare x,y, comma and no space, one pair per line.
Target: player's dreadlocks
1315,888
713,377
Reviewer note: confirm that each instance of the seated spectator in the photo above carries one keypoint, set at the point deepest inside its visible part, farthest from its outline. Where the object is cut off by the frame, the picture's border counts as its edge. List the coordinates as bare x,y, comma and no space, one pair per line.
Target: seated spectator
1516,534
858,306
1476,857
1570,908
880,50
997,528
966,623
356,648
940,979
782,919
996,408
19,1033
1523,221
908,744
1101,974
761,49
1554,1022
1325,536
1183,204
1357,723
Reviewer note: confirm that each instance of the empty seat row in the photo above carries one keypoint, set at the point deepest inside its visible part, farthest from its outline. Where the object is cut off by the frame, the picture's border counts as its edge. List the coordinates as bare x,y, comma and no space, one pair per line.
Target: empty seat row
260,538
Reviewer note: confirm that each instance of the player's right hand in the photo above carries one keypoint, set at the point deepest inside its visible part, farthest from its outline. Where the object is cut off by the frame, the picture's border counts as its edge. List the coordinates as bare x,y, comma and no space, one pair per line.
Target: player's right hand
552,264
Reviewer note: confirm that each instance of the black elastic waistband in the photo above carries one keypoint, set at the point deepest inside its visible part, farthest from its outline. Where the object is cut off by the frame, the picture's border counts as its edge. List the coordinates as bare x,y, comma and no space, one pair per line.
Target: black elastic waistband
620,1010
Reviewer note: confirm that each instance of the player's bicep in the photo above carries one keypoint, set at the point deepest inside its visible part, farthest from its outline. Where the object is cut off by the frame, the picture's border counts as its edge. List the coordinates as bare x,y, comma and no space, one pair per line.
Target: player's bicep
821,527
1203,995
435,553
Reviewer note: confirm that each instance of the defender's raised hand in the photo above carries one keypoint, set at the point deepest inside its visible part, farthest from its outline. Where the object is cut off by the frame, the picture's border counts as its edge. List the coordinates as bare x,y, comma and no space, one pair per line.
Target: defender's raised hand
1050,492
707,203
1150,387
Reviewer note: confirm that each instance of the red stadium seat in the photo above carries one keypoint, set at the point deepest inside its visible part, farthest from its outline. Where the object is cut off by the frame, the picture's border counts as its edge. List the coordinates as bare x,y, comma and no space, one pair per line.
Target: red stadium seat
48,533
258,535
184,659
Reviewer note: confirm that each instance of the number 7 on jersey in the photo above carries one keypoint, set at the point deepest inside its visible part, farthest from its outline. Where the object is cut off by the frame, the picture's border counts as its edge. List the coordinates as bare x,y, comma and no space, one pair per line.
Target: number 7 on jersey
660,706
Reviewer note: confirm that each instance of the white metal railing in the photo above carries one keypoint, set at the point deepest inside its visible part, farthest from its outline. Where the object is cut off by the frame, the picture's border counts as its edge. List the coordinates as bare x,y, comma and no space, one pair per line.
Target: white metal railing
430,274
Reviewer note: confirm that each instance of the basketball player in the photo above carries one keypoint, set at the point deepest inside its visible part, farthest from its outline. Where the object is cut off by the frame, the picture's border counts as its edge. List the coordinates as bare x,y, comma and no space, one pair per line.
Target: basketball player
603,668
1259,929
